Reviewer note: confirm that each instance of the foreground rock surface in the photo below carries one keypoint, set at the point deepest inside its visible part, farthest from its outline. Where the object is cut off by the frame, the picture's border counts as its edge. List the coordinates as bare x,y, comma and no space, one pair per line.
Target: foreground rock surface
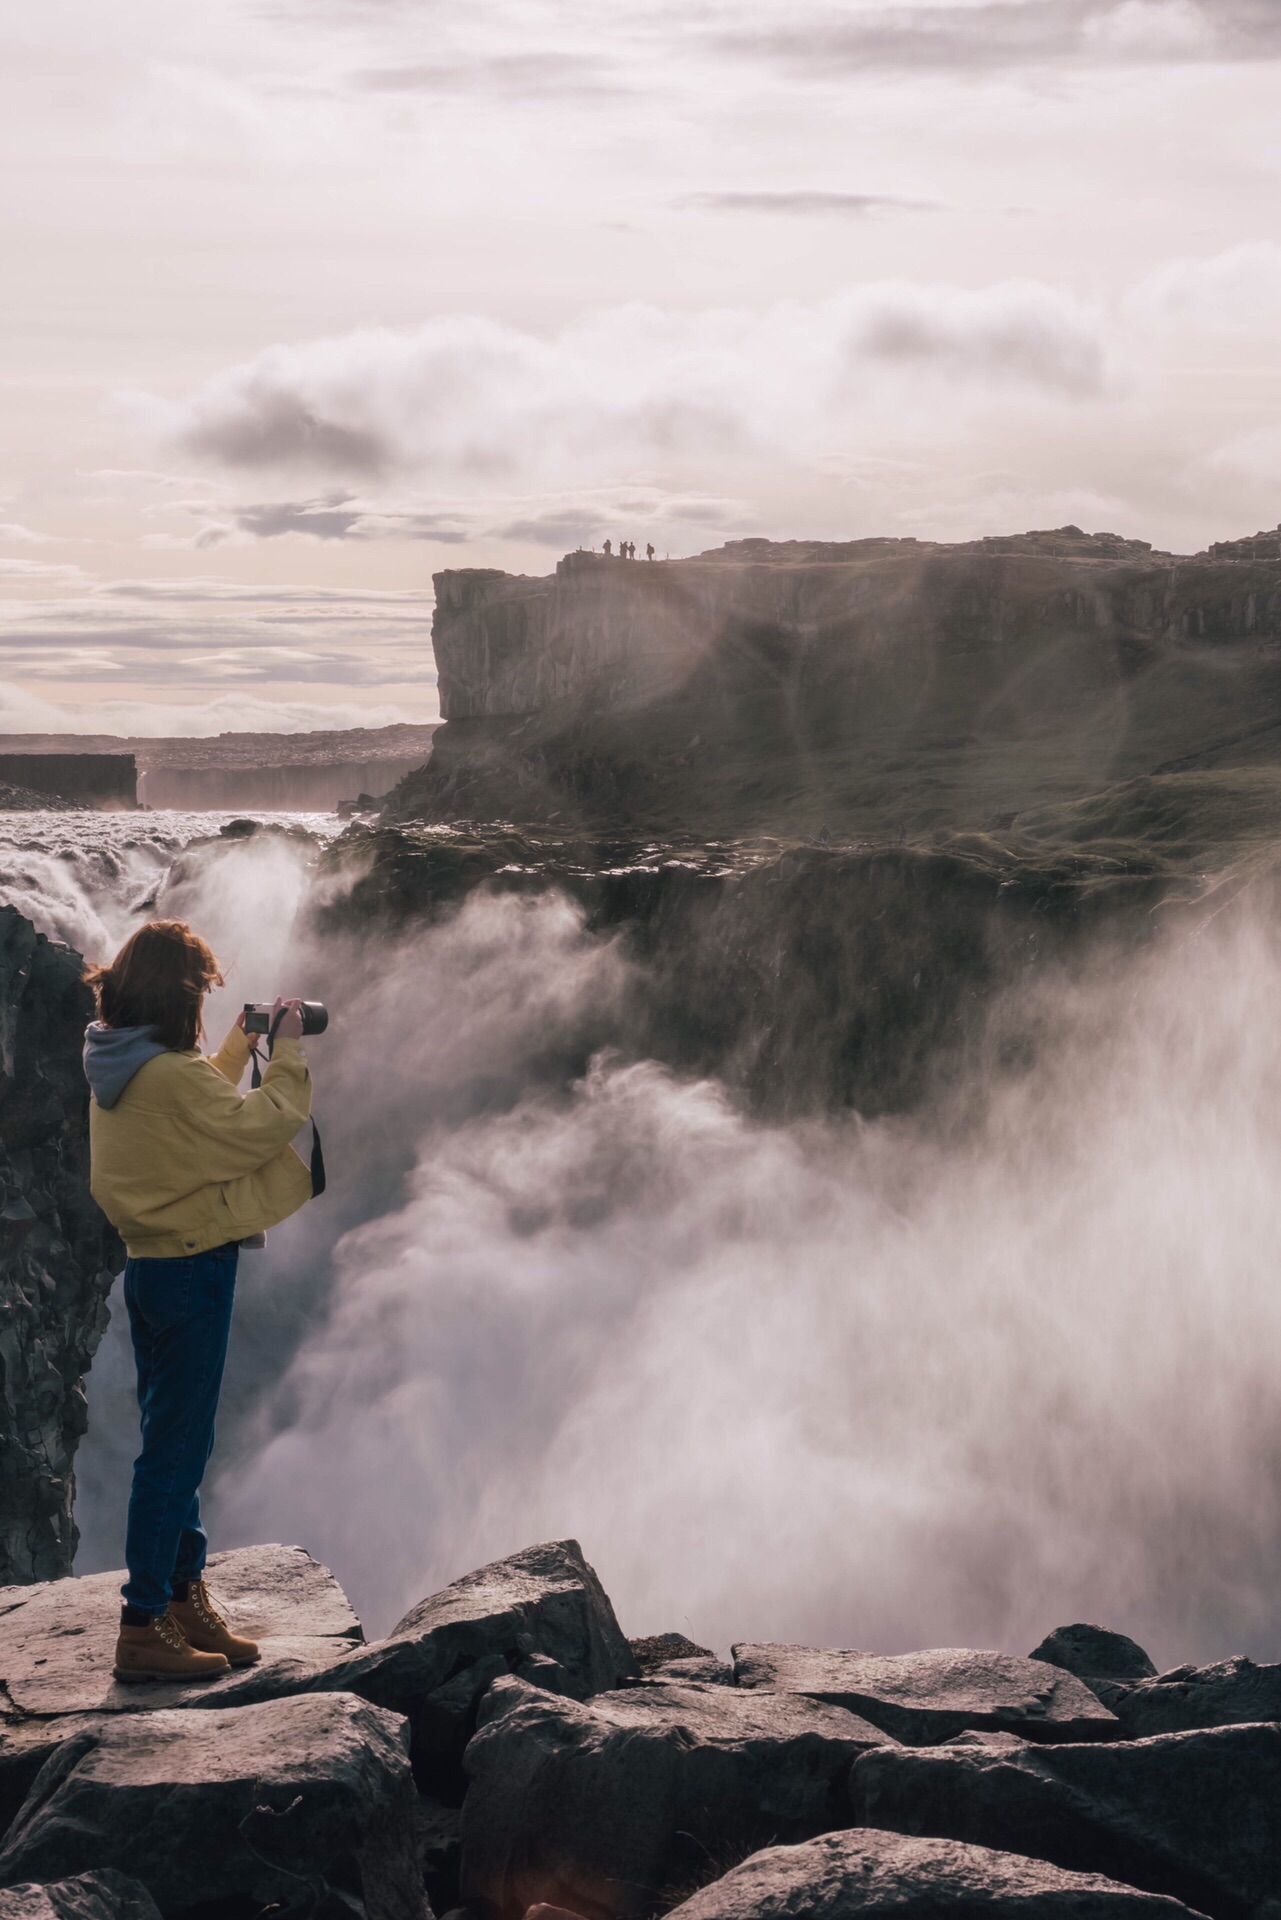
57,1253
1230,1693
57,1640
1192,1815
924,1698
257,1805
610,1807
542,1614
847,1875
91,1896
1095,1653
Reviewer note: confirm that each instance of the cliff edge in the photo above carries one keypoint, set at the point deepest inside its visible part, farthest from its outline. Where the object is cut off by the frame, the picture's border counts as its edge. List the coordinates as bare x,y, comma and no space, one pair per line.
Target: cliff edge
876,686
57,1252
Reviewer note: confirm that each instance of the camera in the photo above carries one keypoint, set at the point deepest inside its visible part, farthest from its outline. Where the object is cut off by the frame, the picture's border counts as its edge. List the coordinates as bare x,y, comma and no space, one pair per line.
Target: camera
315,1017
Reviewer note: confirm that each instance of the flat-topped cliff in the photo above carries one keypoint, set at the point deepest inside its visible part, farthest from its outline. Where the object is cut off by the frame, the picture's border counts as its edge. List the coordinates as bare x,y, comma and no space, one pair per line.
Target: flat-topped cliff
873,685
314,771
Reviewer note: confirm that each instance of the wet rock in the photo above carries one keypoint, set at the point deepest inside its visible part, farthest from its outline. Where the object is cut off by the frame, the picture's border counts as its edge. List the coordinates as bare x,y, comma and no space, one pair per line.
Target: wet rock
57,1640
1192,1815
923,1698
611,1806
263,1804
1231,1693
847,1875
91,1896
1093,1653
57,1253
542,1614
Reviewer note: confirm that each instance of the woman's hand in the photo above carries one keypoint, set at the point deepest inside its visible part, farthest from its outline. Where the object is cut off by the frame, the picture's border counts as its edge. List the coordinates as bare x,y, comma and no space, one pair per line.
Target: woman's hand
290,1027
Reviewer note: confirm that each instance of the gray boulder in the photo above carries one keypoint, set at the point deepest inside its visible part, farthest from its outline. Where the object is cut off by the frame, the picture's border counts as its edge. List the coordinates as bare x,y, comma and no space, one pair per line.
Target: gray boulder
1233,1693
701,1667
542,1614
612,1806
1094,1653
295,1800
1192,1815
91,1896
857,1876
657,1650
924,1698
57,1640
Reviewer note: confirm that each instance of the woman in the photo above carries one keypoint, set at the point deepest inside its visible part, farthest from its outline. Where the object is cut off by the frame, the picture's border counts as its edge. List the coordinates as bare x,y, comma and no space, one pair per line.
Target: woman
185,1168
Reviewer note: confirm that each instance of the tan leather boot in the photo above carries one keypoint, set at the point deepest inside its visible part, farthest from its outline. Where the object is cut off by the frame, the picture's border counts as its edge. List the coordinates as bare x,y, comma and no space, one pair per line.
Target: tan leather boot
204,1627
158,1651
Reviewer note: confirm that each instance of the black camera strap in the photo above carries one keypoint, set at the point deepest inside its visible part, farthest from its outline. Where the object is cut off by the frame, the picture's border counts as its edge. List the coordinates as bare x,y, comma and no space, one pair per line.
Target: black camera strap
318,1181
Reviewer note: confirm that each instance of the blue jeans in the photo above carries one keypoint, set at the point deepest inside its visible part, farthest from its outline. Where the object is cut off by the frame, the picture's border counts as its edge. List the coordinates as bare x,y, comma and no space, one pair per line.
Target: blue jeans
180,1319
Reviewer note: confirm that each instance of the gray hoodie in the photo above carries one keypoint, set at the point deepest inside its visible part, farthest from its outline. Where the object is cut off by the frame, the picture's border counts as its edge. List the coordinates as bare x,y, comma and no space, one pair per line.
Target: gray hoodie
113,1055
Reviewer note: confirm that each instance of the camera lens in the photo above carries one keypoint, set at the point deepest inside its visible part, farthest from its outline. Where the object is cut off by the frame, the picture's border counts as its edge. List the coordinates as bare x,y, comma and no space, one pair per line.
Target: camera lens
315,1016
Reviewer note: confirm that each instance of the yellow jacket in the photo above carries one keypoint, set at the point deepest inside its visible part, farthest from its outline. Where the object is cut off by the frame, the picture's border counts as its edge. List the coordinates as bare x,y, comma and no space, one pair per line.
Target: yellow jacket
184,1162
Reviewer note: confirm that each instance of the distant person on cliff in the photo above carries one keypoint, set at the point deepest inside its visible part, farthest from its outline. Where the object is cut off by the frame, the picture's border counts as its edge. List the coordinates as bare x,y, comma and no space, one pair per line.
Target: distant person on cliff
649,550
609,548
186,1168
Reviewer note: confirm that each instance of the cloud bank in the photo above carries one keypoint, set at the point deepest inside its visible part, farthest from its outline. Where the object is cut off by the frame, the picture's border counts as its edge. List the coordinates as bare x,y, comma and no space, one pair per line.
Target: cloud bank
469,399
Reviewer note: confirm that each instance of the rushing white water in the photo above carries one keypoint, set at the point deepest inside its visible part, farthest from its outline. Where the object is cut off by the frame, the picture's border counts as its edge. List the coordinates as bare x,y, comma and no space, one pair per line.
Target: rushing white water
879,1385
88,878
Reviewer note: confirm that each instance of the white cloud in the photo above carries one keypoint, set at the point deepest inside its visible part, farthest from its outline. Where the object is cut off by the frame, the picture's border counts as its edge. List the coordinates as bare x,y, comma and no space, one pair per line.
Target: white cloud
24,712
468,400
20,536
1253,456
1151,30
1236,291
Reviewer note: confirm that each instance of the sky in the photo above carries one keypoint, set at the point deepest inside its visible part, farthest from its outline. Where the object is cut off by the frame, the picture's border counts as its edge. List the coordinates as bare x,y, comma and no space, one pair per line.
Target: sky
305,300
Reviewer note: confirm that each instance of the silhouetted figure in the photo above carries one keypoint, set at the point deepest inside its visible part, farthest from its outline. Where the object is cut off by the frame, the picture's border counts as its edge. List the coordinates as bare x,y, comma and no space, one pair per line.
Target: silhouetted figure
649,549
609,548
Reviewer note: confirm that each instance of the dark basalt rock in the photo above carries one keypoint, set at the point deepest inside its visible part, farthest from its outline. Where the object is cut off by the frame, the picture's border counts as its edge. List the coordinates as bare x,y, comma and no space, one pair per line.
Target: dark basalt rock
699,1667
91,1896
660,1649
541,1613
1093,1653
57,1253
57,1641
924,1698
613,1806
258,1805
857,1876
1192,1815
1231,1693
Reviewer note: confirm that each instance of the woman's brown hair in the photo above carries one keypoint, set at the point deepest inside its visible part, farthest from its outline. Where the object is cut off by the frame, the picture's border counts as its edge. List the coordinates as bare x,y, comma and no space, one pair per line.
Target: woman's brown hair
158,979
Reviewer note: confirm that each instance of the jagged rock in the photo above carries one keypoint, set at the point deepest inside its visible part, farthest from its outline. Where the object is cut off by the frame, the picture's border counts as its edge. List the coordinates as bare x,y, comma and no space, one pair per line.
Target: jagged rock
923,1698
1231,1693
57,1253
57,1640
607,1806
660,1649
1192,1815
542,1613
259,1804
670,1656
702,1667
856,1876
1093,1653
90,1896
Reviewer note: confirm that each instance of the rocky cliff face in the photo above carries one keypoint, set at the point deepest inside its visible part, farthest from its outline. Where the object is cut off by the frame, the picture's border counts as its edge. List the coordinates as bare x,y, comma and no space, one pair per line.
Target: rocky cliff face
56,1250
871,685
